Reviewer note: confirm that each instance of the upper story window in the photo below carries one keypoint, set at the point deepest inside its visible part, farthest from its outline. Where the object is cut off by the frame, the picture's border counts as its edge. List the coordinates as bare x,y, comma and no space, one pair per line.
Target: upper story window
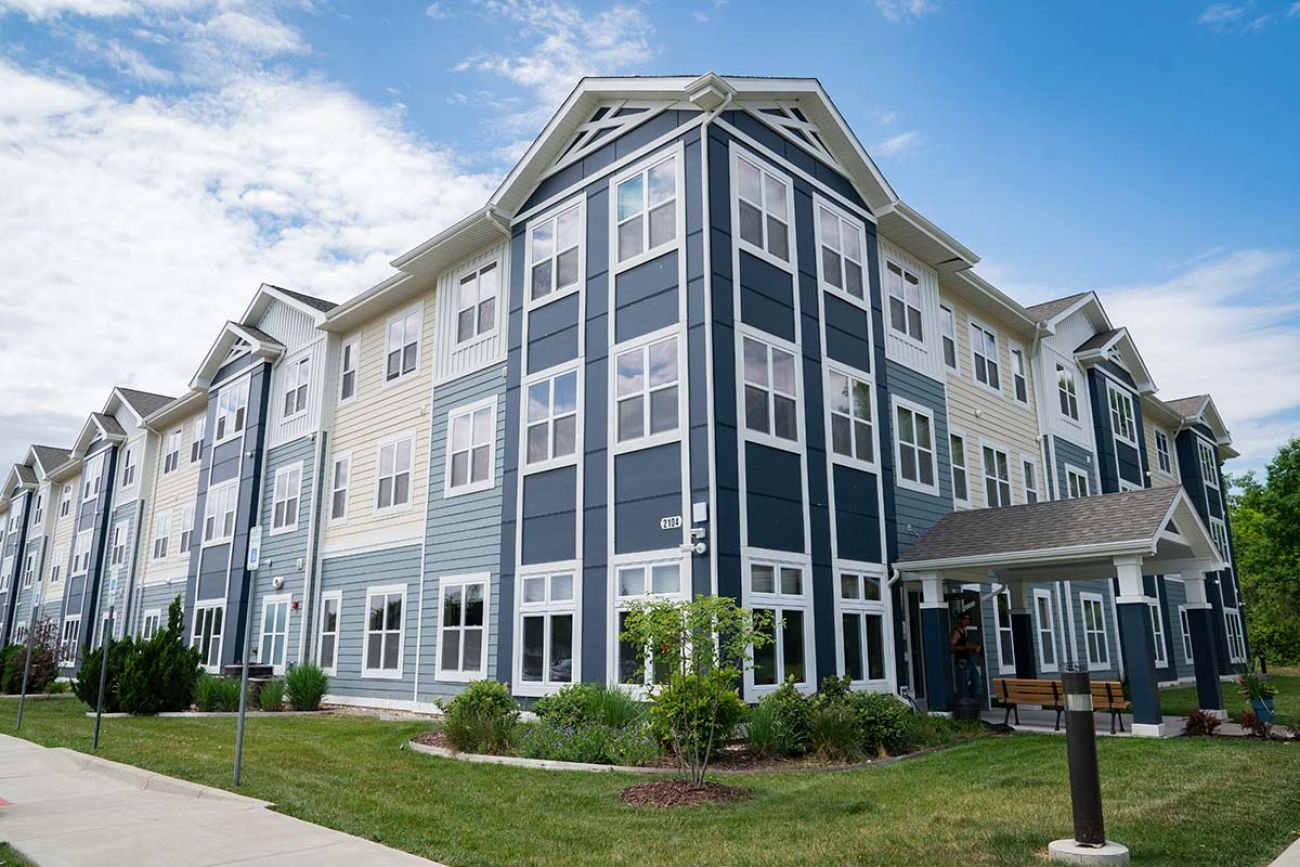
38,510
393,481
57,561
128,467
29,570
1121,416
763,206
117,544
552,418
904,290
1209,461
646,391
1076,483
841,253
1019,375
984,356
476,302
997,477
1163,459
172,451
80,553
960,482
219,512
162,533
349,364
297,380
341,482
555,253
771,395
403,345
1030,470
914,435
187,529
647,210
232,407
948,331
196,442
1067,392
1219,533
284,498
65,501
849,401
469,452
94,477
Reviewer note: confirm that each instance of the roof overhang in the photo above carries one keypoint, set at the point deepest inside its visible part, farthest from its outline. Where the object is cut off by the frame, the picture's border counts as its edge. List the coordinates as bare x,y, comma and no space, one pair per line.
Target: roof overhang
16,481
266,295
94,429
979,293
231,334
1090,303
181,408
1120,347
904,225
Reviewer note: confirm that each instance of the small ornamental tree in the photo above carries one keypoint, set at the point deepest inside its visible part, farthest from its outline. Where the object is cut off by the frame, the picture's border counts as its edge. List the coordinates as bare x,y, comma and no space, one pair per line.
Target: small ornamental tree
697,651
45,666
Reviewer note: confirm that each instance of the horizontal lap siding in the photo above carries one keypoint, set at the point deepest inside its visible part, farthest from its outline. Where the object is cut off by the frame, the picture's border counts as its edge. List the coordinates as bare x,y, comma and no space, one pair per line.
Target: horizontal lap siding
159,597
171,493
1160,478
1104,588
916,512
284,555
1070,455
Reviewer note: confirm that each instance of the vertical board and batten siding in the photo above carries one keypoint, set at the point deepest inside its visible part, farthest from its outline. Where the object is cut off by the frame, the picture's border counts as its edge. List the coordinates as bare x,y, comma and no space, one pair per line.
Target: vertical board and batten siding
452,359
916,512
282,430
284,554
1071,332
927,356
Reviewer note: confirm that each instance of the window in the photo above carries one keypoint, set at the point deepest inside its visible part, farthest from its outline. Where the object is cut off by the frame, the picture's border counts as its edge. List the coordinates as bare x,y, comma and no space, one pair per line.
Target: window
1121,416
1158,634
1209,463
232,407
1184,624
1163,459
128,468
219,513
285,494
647,210
199,431
151,623
29,570
117,545
1030,470
1076,483
763,207
984,356
904,290
469,461
6,567
297,380
849,401
403,345
779,590
341,479
20,633
65,501
271,648
862,623
948,331
960,485
842,257
1219,533
38,512
393,486
645,391
915,443
187,529
1006,636
476,303
555,253
90,485
1019,376
1045,630
997,477
80,553
552,418
70,640
771,398
57,561
162,529
1236,638
172,451
547,622
1094,631
349,362
331,603
462,628
1067,392
385,628
637,582
206,635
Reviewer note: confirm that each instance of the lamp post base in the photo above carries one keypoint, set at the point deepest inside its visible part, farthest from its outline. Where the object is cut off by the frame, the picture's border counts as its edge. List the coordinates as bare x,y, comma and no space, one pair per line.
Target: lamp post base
1072,852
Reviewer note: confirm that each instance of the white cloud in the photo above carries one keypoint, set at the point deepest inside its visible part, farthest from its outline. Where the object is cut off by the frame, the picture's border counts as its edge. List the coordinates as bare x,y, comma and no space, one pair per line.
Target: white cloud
1219,14
1294,11
904,10
1237,17
437,11
897,145
123,59
256,32
39,10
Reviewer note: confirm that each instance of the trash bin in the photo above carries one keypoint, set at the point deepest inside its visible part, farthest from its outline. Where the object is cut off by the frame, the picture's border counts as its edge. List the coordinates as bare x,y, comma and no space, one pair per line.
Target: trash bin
965,709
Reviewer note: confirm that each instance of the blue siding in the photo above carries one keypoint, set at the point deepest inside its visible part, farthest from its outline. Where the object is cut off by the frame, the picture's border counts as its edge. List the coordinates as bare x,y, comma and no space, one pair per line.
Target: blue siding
647,487
284,555
1071,455
916,512
646,297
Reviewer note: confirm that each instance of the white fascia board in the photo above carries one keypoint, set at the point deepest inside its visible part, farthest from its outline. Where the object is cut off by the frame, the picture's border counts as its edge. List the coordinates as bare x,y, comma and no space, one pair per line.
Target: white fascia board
1046,556
182,406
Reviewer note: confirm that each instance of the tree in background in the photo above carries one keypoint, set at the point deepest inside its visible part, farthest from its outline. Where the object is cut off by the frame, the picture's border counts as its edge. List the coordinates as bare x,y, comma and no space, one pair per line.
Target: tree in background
1266,532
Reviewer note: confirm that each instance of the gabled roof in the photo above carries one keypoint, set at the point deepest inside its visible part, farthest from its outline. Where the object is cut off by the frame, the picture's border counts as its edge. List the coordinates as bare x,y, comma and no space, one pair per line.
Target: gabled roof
142,403
1200,409
1048,311
26,476
47,458
310,300
182,407
97,426
234,335
1118,344
1189,407
266,295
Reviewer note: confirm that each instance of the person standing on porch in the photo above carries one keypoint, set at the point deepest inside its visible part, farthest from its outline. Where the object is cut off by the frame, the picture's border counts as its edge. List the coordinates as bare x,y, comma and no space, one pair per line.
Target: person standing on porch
965,654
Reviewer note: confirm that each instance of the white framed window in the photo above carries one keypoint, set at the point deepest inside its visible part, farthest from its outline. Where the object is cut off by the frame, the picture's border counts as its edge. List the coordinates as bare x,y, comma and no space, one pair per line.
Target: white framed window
1067,392
997,477
20,633
1005,633
117,544
762,210
187,530
646,393
1236,637
58,560
1094,631
162,531
6,568
29,570
645,218
80,553
197,433
70,640
1076,483
1185,626
547,655
65,501
471,446
555,253
1019,375
1158,634
151,623
771,390
642,580
285,496
38,512
1029,469
1219,533
957,456
402,344
349,369
297,382
903,289
476,302
1045,631
232,411
340,483
219,512
984,356
393,476
331,614
948,333
463,627
90,481
1209,461
862,627
914,447
1121,415
849,402
1163,458
385,631
551,423
842,245
128,467
780,588
205,636
273,645
172,451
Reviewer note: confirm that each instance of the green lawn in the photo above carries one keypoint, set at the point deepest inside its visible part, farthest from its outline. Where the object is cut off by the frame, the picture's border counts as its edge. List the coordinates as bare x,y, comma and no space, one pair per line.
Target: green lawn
988,801
1181,701
10,858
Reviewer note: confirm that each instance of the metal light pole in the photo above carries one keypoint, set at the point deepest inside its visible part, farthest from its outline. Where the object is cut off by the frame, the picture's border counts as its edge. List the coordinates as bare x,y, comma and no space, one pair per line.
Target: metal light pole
27,665
107,647
254,561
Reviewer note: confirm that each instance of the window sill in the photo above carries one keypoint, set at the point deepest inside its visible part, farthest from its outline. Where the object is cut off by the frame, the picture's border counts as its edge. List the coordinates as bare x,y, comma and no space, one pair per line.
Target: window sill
368,674
916,487
648,442
645,256
758,252
903,336
846,296
532,304
384,511
459,676
475,487
854,463
772,441
282,531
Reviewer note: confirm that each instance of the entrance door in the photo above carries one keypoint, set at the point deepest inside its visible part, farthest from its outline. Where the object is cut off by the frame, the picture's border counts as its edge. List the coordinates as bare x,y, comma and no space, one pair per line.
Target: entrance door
913,659
967,601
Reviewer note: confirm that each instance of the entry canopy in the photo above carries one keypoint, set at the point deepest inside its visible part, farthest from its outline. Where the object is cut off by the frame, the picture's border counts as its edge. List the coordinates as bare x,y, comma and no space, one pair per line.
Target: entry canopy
1066,540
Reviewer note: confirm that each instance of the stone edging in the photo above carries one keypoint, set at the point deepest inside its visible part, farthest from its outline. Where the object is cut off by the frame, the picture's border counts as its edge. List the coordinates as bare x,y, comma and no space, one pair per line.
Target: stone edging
197,714
156,782
40,696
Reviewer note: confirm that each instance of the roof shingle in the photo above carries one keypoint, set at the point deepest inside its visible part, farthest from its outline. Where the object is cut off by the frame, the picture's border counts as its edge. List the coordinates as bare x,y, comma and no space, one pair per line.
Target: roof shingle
310,300
145,403
1049,309
51,457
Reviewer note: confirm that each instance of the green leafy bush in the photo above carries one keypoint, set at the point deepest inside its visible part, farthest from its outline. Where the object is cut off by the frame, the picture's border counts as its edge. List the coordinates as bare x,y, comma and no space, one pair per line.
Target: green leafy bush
305,686
5,653
697,712
482,719
161,674
834,732
216,694
778,724
885,724
58,687
882,724
44,666
271,696
591,743
580,704
87,686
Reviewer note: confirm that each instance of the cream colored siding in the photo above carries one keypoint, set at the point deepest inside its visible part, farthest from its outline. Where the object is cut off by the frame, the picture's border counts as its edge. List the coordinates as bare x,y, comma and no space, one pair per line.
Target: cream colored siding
60,539
1159,478
171,493
926,357
452,360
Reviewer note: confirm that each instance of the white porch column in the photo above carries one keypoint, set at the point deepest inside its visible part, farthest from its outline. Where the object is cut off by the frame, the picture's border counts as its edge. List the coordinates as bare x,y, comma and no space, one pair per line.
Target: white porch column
1209,692
1137,642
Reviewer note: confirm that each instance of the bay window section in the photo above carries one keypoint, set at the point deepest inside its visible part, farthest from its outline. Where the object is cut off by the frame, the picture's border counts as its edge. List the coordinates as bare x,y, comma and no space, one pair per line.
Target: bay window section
763,206
841,253
778,590
1121,416
547,624
646,391
232,409
849,401
219,513
552,418
206,635
862,624
771,391
646,220
555,254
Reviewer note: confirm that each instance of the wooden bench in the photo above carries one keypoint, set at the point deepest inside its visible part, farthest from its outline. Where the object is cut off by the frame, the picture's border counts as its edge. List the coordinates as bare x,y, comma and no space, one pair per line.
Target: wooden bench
1107,696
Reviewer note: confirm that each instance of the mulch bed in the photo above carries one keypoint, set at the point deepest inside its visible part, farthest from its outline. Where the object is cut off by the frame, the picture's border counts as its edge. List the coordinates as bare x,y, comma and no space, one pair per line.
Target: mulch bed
680,793
432,739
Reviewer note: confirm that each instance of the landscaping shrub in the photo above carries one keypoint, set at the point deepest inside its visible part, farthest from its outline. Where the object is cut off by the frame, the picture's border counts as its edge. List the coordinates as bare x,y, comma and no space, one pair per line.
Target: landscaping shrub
44,667
834,732
696,712
593,743
922,730
216,694
271,696
5,652
87,685
482,719
1201,724
778,725
161,674
305,686
1251,722
580,704
882,724
58,687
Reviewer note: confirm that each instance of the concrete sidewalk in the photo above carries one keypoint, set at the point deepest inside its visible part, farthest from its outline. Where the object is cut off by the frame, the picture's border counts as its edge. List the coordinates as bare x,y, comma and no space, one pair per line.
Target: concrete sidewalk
68,808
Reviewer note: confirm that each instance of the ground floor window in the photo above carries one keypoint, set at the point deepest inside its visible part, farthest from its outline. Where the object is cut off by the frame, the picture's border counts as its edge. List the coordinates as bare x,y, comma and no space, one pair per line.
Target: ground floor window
272,648
69,640
862,624
547,629
1158,634
331,604
1006,638
780,590
20,633
1184,623
206,635
385,629
1236,638
462,627
151,623
1045,630
642,582
1094,630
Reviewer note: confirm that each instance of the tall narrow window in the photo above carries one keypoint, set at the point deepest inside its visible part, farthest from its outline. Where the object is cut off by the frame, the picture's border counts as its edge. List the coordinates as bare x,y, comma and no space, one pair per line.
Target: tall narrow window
393,481
219,513
771,402
470,448
6,567
1219,533
862,624
38,512
555,247
349,365
128,467
948,331
402,355
198,432
385,628
646,390
57,562
1076,483
841,259
151,623
80,554
1209,462
904,290
1045,627
764,208
778,589
1006,635
65,501
341,481
546,633
914,433
90,484
552,417
275,633
997,478
232,408
647,210
462,628
29,568
1030,471
284,499
1163,459
297,382
206,634
1019,375
172,451
187,529
162,531
984,356
476,302
70,640
117,545
849,400
1158,634
1094,630
641,582
1185,626
330,611
1236,638
1121,416
1067,392
960,484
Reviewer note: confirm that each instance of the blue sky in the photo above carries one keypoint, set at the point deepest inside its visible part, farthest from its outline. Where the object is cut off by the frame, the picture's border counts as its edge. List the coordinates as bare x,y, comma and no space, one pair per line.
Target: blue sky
177,152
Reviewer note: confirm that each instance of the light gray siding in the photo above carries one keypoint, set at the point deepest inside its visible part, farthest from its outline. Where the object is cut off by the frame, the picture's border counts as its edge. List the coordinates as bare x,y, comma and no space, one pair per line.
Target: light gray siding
284,555
915,512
